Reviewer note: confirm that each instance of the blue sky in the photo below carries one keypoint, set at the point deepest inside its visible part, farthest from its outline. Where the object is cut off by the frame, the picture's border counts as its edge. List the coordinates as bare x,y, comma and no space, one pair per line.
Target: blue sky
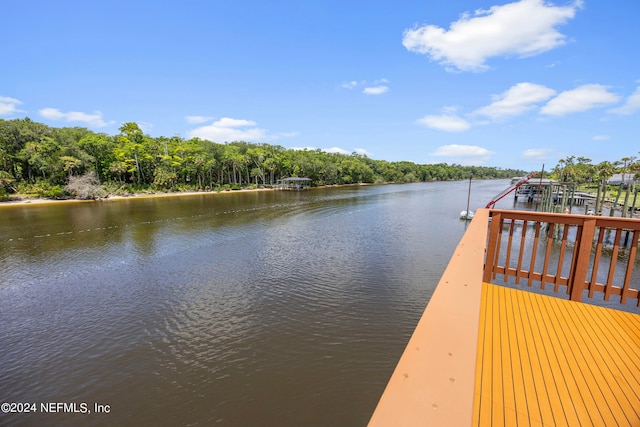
474,82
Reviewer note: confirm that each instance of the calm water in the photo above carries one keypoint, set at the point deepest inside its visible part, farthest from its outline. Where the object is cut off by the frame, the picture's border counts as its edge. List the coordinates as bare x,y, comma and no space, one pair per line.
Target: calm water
243,309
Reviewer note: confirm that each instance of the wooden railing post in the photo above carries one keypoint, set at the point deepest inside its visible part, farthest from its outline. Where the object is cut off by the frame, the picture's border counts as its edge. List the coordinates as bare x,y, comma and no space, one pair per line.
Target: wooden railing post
583,251
491,255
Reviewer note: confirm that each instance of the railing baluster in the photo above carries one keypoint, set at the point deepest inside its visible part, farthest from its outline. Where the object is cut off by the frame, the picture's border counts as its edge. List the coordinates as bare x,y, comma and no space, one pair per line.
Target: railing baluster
596,262
629,272
532,266
612,267
507,261
563,247
499,245
521,252
547,254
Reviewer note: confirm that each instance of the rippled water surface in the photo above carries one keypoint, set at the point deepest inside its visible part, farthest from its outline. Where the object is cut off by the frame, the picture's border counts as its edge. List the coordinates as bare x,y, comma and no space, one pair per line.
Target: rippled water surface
250,308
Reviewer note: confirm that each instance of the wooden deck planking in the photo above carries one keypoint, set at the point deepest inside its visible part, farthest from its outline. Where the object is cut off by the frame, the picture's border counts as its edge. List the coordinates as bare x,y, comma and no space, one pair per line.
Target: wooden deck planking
576,385
529,412
547,361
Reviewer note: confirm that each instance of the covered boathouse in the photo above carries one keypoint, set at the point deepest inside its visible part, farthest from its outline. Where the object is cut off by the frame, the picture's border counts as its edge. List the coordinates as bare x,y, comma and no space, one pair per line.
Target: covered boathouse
294,183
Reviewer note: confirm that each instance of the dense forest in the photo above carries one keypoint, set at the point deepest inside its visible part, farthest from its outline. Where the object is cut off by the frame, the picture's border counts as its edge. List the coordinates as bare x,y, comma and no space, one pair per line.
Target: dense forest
39,160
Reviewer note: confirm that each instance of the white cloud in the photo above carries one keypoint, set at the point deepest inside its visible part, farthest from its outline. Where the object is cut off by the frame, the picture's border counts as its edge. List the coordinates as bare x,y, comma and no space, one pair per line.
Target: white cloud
376,90
377,87
234,123
451,109
516,100
601,138
445,122
582,98
51,113
336,150
197,119
8,105
465,154
94,119
350,85
228,130
631,106
523,28
537,153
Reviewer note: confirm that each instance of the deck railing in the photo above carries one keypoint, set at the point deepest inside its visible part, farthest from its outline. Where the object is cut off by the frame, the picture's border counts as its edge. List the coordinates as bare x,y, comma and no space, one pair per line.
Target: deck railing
433,383
582,254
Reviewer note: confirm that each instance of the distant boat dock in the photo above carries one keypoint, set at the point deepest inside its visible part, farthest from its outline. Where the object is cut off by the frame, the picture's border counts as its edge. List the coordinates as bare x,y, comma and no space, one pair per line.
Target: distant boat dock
294,183
557,193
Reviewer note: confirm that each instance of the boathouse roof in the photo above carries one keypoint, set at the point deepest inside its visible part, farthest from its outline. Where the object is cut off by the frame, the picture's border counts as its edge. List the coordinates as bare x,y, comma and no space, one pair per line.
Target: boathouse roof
295,178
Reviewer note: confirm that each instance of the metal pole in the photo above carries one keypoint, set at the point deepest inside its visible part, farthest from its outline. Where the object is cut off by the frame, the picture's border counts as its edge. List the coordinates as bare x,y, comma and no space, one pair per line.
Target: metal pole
468,197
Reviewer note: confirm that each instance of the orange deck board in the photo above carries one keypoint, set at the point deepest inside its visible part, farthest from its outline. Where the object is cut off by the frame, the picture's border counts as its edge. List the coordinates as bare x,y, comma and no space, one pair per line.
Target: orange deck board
545,361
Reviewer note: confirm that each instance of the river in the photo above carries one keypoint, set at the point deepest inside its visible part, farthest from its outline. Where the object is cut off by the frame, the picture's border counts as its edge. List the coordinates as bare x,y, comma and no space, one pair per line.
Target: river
243,309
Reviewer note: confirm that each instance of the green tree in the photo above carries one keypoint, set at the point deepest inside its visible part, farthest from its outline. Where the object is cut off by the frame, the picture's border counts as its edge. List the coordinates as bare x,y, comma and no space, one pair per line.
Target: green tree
40,158
14,136
7,182
101,149
131,151
584,170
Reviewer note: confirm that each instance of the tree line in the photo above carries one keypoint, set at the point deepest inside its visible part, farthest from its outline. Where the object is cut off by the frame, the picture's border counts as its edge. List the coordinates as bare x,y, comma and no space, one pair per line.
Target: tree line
581,170
45,161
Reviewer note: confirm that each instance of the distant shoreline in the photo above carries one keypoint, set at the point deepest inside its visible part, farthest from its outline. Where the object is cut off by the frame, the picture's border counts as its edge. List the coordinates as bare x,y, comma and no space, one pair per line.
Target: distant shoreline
25,200
22,200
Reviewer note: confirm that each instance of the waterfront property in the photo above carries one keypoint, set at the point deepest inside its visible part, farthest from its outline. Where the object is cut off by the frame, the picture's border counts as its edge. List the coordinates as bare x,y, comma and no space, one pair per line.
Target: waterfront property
488,352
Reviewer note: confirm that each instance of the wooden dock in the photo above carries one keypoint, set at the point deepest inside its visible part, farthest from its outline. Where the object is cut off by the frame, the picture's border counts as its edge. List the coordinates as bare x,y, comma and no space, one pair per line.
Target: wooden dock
485,354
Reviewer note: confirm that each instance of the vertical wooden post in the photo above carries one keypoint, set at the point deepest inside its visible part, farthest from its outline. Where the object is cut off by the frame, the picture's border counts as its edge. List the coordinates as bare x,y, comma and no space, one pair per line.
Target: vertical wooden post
491,256
615,203
625,204
598,207
572,200
583,253
613,263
